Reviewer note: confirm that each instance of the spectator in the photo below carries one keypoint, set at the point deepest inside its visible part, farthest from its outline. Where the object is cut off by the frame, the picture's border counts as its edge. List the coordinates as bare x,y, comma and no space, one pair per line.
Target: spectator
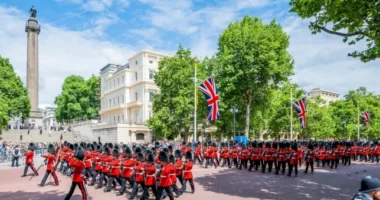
370,189
15,155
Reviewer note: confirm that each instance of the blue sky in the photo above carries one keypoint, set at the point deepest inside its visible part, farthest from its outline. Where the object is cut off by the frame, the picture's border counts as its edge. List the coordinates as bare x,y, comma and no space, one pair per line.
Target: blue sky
81,36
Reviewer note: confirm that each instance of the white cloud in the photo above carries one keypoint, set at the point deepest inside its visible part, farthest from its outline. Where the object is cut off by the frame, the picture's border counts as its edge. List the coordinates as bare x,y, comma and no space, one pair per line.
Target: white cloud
104,21
242,4
62,52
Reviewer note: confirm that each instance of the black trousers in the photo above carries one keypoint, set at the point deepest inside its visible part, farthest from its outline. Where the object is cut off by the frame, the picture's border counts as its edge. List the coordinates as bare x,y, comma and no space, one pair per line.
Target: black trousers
72,189
180,179
235,161
88,172
103,177
291,169
47,175
161,190
208,162
15,159
94,174
311,164
270,165
145,194
243,162
57,163
347,160
183,189
226,160
61,166
31,166
112,181
281,165
197,158
334,162
124,184
135,189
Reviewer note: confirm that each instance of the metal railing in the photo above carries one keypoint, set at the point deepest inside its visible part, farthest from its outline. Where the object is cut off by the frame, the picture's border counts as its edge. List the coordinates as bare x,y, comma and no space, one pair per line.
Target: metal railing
6,156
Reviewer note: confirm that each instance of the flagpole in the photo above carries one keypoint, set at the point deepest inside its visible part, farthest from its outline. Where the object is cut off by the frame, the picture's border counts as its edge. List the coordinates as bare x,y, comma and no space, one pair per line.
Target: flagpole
291,112
357,105
195,98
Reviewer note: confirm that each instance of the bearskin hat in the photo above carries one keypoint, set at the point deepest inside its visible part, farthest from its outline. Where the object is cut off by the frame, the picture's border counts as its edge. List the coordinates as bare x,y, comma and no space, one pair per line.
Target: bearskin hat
110,145
254,144
99,148
51,149
65,143
107,150
124,146
267,145
140,156
88,146
100,143
79,153
172,159
166,150
310,146
189,155
94,143
31,147
335,145
260,145
294,146
150,158
76,146
116,147
178,154
157,145
214,144
127,152
148,151
115,153
153,151
138,150
143,149
274,145
170,148
183,143
163,157
189,144
71,146
83,145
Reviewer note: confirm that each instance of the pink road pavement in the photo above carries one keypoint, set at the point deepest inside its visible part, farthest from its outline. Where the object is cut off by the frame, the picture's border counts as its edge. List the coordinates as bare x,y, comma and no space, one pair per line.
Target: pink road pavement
211,184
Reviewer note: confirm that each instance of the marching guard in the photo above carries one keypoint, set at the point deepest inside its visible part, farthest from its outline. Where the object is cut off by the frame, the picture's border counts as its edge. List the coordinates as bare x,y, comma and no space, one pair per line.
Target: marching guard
78,180
50,168
29,160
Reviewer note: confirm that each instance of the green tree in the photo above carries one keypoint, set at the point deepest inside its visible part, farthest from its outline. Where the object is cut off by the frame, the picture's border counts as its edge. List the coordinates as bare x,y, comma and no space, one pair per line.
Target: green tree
173,107
80,99
353,20
14,96
253,60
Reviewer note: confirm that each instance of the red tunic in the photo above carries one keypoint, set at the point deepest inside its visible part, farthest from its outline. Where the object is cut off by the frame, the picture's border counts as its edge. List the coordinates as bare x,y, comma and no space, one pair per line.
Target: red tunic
150,177
310,157
78,169
87,158
50,162
294,158
282,155
267,155
139,173
165,180
106,162
255,154
115,167
178,164
128,167
183,149
187,174
197,151
173,170
29,157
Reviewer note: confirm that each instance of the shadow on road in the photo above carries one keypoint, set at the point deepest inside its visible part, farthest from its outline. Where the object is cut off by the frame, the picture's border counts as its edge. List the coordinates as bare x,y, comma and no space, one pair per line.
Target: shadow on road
51,195
242,183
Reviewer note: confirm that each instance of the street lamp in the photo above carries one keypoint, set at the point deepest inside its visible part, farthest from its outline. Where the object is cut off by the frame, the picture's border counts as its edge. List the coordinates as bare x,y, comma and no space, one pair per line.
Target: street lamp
344,128
234,110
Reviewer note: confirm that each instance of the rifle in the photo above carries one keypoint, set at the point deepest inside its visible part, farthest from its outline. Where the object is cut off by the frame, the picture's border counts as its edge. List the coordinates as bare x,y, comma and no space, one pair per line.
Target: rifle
36,171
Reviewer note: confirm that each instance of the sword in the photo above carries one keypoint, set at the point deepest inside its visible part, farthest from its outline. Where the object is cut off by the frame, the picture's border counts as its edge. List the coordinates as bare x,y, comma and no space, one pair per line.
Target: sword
36,171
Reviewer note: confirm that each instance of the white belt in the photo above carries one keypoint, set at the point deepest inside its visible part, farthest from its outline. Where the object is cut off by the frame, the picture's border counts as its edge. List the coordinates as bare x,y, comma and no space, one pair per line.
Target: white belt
127,167
186,170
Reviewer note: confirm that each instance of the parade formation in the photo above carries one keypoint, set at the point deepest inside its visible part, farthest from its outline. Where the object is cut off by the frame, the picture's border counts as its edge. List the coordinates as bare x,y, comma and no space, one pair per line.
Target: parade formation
139,168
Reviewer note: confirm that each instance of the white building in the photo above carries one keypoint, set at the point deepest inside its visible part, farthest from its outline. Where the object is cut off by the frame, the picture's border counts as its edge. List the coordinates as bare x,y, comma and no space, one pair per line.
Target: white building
324,94
48,120
126,99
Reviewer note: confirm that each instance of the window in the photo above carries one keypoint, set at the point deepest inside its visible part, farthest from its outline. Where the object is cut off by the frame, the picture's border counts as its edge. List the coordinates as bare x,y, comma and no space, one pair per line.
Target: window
114,101
137,96
110,103
118,81
122,80
150,61
136,75
122,118
137,62
114,119
118,119
118,102
137,116
140,136
150,96
122,99
114,83
151,74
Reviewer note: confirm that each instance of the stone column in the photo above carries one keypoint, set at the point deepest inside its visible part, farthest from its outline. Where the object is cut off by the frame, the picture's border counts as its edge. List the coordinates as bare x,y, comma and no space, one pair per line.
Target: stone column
33,29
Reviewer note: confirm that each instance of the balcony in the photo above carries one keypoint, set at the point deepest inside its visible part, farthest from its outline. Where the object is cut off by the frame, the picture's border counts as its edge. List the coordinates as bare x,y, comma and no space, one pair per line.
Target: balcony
134,104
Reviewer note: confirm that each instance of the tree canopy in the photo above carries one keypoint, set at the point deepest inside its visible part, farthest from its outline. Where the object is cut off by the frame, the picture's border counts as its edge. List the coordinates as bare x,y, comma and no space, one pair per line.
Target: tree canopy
80,99
173,107
252,61
353,20
14,99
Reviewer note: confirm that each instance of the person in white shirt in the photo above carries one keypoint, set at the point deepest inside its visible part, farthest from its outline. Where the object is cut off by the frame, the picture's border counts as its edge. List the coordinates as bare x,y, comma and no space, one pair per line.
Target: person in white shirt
16,155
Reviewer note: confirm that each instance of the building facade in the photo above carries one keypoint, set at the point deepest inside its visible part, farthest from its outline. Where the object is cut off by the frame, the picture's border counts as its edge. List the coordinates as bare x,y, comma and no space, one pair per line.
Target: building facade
49,121
126,99
324,94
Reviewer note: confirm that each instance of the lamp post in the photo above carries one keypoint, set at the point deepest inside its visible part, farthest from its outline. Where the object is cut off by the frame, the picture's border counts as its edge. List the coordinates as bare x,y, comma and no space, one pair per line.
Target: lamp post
344,128
234,110
358,125
195,97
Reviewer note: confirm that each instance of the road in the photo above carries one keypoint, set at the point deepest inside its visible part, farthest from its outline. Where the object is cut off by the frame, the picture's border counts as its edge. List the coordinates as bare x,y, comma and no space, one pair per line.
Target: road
211,183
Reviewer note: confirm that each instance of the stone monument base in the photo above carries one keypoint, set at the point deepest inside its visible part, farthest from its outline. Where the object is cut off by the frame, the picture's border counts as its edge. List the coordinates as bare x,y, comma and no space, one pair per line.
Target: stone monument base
34,121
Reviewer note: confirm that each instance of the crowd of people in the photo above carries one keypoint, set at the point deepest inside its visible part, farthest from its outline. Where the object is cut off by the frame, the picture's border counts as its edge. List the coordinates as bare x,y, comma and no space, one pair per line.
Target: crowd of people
158,167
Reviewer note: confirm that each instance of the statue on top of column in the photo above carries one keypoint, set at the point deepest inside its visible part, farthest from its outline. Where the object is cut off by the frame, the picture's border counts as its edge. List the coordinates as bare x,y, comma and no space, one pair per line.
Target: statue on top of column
33,12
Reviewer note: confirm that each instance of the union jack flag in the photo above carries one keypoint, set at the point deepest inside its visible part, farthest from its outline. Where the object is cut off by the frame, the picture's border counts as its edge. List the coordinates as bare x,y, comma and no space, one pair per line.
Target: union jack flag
365,116
300,106
208,88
